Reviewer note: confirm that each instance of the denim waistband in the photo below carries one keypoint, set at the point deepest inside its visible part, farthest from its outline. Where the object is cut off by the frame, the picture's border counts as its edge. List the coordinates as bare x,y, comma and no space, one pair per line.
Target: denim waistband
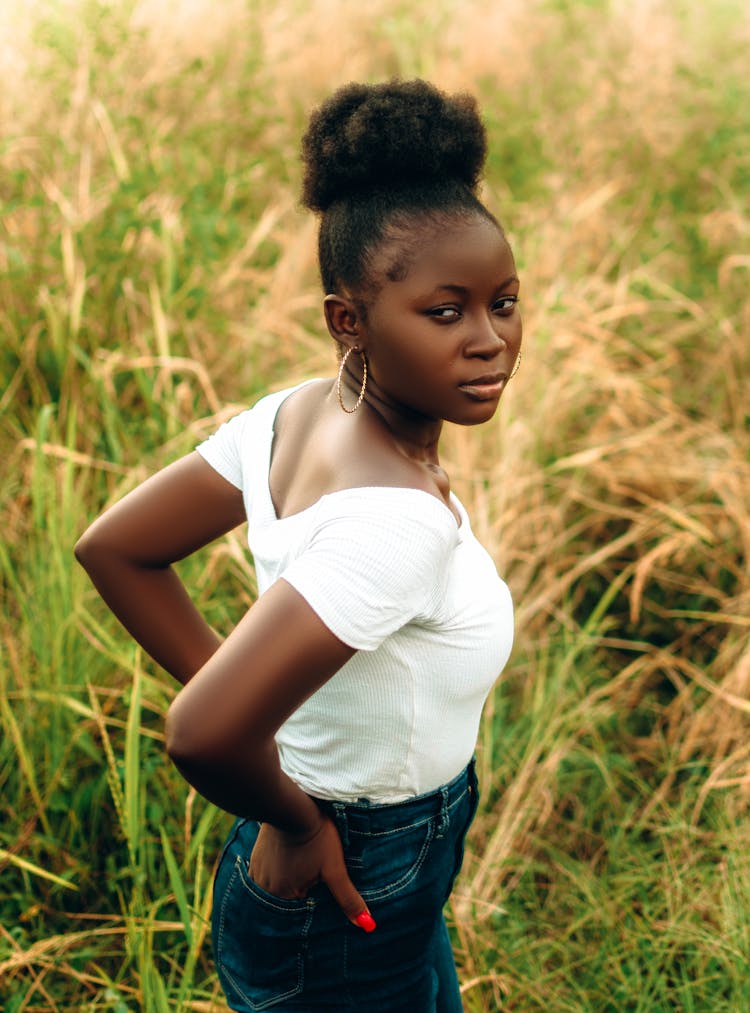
374,819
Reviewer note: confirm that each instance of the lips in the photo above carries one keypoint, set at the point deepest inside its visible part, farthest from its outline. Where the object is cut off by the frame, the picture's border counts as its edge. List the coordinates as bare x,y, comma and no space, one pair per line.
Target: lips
485,387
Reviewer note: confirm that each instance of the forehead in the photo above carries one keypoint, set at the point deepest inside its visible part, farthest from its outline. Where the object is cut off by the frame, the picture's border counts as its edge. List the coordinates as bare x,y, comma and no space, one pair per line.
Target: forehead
456,251
475,247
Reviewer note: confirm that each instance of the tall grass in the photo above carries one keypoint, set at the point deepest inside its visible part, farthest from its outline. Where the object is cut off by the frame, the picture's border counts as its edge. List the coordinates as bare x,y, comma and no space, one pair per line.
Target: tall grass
156,274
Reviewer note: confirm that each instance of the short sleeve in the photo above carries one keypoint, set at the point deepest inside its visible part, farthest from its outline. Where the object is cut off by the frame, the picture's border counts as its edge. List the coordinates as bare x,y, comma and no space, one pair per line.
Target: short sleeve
376,559
223,450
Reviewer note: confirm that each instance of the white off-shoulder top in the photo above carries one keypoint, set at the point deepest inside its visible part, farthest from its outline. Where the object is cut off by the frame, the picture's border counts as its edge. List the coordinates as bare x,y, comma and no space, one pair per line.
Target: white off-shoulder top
391,573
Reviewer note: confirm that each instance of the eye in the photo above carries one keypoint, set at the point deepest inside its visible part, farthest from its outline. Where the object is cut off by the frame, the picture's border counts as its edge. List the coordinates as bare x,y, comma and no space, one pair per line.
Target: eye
445,314
505,305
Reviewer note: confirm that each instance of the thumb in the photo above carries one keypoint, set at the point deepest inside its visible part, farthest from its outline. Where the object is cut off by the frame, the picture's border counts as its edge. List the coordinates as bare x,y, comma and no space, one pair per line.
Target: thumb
349,899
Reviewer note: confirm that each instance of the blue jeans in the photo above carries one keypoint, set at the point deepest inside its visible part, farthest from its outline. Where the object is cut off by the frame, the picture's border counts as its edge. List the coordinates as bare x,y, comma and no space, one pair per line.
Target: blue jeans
304,955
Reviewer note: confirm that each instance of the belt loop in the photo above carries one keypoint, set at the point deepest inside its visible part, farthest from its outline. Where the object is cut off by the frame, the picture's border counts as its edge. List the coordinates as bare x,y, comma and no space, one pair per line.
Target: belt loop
444,821
339,812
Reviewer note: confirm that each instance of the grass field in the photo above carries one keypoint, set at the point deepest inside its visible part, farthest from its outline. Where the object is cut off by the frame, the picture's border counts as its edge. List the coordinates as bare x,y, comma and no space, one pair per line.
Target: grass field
156,274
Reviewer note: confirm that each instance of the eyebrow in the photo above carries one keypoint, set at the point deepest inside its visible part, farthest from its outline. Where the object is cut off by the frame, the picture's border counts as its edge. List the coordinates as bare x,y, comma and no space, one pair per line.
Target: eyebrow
462,290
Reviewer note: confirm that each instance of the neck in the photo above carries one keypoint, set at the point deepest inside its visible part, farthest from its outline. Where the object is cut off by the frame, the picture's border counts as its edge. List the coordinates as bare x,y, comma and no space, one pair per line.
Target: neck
415,435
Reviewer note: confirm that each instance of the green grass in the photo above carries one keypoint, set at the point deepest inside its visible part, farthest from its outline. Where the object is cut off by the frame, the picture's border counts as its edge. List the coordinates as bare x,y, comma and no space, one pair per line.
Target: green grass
156,274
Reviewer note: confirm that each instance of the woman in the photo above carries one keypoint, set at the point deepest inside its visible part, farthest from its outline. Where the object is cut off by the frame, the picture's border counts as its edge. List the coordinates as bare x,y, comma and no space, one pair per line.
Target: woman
338,719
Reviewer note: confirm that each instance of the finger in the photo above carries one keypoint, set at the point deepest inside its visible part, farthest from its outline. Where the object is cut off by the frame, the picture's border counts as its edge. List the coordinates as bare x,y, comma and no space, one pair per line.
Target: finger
349,899
365,921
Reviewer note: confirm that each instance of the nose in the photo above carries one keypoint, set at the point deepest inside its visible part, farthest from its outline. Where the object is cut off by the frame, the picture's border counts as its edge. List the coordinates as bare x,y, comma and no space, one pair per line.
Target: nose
488,337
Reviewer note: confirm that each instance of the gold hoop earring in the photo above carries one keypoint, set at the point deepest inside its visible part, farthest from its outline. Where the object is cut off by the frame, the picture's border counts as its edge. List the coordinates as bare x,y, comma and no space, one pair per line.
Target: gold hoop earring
515,366
360,399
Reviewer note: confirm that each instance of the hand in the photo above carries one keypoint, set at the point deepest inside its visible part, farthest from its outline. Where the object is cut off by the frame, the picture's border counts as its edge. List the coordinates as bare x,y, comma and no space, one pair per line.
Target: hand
287,866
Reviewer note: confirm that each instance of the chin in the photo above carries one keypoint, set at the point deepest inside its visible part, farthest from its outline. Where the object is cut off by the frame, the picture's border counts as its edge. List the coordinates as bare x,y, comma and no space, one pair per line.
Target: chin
482,413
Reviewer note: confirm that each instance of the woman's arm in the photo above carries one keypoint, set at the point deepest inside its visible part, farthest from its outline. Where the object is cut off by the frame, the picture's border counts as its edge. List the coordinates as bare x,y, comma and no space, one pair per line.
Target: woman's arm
128,553
221,734
221,727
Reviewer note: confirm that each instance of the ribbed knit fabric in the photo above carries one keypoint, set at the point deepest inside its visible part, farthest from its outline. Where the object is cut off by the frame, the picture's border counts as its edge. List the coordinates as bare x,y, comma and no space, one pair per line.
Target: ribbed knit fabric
390,572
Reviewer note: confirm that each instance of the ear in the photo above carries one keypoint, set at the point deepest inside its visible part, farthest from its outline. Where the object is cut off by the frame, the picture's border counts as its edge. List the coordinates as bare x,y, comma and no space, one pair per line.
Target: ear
342,319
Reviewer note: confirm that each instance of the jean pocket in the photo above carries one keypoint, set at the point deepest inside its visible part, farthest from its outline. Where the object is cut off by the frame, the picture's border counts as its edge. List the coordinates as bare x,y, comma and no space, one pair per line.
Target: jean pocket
261,942
388,864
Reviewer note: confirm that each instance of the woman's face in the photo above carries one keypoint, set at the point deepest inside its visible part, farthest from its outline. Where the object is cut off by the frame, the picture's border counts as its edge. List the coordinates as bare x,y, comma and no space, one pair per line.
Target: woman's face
443,341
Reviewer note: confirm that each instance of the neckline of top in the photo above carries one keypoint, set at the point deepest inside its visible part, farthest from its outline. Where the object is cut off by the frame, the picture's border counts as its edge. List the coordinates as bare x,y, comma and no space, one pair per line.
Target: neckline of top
354,490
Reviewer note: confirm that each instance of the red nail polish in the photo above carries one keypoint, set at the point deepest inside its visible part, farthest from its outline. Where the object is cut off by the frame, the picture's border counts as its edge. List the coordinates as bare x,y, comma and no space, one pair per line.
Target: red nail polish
365,921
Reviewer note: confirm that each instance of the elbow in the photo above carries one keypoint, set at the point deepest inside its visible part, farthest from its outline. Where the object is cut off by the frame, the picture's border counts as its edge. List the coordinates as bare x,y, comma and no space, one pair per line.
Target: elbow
97,551
181,748
88,549
81,549
204,749
189,743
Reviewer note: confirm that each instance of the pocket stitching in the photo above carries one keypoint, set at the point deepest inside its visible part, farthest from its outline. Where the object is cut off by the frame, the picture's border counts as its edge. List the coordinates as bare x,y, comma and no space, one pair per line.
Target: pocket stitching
287,905
307,908
378,893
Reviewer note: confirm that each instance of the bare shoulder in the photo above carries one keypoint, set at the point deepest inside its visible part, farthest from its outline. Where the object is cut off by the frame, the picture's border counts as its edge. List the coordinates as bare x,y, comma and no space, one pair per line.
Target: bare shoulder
319,450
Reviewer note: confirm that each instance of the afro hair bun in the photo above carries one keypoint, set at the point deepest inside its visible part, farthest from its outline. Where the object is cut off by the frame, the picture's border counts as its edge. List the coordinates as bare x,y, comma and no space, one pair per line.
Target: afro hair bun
389,135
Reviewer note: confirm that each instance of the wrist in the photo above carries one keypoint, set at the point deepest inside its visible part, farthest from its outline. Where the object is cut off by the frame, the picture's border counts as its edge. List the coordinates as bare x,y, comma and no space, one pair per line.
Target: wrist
302,832
295,815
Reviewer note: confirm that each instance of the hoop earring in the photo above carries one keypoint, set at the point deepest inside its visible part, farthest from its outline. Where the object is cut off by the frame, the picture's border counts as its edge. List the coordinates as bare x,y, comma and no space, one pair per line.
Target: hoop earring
360,399
515,367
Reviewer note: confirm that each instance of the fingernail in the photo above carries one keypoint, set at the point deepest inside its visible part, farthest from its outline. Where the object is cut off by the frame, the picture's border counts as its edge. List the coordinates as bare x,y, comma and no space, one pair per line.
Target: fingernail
365,921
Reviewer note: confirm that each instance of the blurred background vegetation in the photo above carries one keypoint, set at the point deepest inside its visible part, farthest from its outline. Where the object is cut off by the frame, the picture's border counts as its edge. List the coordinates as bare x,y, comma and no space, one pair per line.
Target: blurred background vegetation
156,274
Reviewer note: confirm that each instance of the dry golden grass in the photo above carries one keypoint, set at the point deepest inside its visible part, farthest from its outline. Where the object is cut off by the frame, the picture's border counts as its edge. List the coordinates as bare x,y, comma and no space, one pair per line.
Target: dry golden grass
156,273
